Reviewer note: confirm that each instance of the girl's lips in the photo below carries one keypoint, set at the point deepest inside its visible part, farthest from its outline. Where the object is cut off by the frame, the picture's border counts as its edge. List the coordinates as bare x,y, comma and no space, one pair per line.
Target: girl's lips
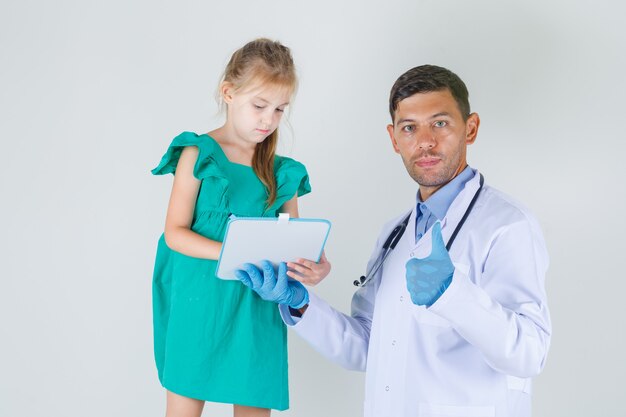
262,131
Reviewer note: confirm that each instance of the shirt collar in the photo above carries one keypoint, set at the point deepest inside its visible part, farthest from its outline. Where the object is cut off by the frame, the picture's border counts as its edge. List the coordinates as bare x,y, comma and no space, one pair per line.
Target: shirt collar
439,203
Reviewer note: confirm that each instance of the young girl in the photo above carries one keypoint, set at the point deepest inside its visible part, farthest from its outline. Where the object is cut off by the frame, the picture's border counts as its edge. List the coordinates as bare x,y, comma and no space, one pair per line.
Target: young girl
216,340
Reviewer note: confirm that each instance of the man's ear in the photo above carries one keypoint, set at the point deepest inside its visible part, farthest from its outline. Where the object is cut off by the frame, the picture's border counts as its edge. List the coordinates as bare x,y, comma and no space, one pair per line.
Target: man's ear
393,138
471,128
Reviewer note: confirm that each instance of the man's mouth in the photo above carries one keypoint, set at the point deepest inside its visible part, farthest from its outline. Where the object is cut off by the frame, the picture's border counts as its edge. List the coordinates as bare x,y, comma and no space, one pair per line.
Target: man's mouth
427,161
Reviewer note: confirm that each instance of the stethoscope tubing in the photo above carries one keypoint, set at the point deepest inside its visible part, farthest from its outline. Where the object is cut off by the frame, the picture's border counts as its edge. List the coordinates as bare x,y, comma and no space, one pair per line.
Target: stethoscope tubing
397,232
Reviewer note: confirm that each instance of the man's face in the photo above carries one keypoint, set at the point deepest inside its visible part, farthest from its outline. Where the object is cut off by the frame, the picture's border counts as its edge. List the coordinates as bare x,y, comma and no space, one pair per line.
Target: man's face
431,136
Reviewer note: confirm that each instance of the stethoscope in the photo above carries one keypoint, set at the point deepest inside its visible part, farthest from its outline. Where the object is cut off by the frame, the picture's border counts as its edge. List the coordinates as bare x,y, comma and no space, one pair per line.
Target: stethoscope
398,231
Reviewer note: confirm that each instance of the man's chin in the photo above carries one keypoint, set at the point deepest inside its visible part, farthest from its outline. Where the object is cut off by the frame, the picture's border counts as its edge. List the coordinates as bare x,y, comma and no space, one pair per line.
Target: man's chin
430,180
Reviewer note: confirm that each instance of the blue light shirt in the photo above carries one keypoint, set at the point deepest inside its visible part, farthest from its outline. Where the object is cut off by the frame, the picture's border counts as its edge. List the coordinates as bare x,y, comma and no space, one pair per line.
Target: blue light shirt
436,207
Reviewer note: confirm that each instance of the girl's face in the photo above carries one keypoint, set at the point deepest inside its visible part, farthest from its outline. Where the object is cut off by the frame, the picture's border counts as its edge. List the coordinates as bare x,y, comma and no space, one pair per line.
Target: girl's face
255,113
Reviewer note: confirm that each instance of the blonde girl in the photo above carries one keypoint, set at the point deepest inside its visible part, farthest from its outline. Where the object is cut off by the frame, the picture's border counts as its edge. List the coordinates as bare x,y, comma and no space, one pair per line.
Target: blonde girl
217,340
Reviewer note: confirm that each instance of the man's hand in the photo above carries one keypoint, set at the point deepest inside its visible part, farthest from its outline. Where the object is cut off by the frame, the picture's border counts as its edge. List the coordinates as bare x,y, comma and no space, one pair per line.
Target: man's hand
274,287
428,278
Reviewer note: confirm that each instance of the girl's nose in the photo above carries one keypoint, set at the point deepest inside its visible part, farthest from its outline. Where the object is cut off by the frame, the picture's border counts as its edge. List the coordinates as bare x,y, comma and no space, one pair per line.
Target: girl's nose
266,120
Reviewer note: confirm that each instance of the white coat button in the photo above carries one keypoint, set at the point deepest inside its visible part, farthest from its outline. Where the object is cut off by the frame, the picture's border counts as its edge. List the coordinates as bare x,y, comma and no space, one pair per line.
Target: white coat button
387,388
401,298
412,254
393,343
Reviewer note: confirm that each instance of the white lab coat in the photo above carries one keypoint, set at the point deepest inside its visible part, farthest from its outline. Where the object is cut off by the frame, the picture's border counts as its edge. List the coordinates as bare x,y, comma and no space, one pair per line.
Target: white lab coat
474,351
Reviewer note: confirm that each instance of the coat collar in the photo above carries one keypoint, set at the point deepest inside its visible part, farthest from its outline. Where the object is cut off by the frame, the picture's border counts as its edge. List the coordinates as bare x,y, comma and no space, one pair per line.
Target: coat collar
453,215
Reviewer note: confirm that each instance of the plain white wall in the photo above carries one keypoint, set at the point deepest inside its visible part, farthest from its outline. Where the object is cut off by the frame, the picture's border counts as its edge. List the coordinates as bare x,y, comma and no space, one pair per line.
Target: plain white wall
92,92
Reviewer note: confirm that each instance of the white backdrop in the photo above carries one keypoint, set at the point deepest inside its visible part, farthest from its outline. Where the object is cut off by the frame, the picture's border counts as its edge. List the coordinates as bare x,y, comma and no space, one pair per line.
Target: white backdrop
91,93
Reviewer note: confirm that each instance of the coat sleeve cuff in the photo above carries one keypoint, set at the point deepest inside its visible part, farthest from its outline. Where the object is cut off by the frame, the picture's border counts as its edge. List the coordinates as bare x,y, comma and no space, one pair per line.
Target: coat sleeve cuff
293,321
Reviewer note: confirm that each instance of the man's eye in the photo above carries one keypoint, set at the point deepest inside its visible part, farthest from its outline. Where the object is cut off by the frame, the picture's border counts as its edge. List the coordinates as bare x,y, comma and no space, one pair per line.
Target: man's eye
408,128
441,123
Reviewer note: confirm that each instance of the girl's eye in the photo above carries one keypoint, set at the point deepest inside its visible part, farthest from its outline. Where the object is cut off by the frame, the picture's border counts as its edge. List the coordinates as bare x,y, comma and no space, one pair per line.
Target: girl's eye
256,106
441,123
280,110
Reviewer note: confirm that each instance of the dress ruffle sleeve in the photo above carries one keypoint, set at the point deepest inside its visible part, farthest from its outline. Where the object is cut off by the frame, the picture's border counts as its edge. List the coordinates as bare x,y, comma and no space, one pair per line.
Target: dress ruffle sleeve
206,165
291,178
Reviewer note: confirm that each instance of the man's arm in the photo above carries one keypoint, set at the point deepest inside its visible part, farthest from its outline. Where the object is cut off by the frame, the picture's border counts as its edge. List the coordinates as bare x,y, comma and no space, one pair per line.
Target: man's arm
506,316
340,338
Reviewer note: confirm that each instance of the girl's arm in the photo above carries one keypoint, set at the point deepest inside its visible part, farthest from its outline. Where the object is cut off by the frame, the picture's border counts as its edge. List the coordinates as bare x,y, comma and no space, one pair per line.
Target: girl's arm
304,270
178,235
291,207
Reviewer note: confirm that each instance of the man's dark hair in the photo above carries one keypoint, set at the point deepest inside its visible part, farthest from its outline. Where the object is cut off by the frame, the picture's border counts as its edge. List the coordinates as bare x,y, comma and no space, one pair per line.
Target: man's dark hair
427,78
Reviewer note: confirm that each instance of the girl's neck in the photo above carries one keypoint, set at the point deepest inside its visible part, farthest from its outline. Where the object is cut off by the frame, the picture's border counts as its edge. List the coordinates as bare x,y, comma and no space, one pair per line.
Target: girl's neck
237,151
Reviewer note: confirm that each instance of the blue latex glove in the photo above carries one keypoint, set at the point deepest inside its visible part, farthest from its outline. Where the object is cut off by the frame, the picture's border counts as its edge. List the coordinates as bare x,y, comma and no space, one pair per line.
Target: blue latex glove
428,278
279,289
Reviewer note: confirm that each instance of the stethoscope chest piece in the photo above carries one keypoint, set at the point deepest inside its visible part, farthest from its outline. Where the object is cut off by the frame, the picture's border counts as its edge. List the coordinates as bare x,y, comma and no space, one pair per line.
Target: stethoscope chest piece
359,281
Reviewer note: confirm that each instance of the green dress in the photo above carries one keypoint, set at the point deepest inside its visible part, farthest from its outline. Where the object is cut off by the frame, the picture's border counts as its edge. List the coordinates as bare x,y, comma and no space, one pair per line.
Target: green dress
217,340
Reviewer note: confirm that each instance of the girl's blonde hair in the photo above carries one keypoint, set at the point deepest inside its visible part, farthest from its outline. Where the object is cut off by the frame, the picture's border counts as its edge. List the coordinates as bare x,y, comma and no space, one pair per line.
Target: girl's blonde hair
267,63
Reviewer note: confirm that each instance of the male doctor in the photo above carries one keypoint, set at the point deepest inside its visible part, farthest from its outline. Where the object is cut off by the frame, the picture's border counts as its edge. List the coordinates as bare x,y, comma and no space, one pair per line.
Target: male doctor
439,332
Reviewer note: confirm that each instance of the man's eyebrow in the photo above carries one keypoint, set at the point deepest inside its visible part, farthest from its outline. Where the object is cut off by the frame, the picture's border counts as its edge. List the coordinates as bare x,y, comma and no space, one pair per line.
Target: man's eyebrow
440,114
434,116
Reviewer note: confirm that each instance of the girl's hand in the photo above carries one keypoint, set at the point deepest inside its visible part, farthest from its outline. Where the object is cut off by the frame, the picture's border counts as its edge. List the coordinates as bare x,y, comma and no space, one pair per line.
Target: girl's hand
309,272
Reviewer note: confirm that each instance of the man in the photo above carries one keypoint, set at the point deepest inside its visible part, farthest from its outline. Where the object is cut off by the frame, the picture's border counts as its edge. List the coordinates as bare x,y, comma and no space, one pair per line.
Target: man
440,332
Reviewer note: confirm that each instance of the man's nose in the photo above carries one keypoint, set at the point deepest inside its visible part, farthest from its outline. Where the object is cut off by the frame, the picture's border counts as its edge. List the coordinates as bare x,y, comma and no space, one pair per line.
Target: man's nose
426,138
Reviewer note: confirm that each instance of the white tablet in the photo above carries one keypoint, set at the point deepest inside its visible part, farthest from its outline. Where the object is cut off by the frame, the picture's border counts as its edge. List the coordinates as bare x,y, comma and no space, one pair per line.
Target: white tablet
252,240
